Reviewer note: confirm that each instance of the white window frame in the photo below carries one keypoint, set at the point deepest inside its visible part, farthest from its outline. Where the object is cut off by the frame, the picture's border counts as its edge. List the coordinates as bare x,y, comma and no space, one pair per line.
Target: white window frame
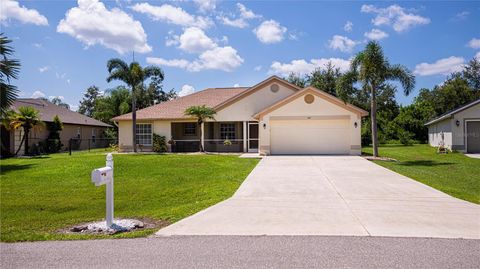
146,135
228,130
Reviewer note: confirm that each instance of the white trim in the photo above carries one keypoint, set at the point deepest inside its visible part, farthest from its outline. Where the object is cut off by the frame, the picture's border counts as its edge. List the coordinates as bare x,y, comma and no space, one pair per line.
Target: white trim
151,133
465,133
245,136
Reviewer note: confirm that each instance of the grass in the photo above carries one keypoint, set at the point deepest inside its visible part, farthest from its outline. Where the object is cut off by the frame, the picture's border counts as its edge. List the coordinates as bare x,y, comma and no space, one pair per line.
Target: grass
41,195
453,173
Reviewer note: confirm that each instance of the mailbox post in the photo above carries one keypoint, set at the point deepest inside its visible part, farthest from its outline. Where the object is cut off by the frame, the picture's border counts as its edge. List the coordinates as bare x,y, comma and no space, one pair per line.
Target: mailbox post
104,175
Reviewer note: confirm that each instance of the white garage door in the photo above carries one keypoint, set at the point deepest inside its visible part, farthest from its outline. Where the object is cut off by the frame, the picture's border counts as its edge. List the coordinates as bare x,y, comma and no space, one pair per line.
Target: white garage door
310,136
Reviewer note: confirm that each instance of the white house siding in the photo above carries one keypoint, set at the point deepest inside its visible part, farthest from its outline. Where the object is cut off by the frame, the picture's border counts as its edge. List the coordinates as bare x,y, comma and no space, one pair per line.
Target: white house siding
320,109
435,133
458,138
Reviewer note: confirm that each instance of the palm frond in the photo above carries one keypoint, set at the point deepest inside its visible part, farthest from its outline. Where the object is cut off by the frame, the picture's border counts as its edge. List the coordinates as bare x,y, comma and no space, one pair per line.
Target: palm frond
154,72
8,95
402,74
116,63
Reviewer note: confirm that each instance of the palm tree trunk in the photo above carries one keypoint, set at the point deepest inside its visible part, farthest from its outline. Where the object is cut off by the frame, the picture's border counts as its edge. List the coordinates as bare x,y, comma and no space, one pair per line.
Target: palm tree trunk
27,131
373,116
20,146
134,120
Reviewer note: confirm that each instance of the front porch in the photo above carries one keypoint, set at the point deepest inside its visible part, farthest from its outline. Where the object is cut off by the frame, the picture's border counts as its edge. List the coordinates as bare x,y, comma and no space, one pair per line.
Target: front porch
237,136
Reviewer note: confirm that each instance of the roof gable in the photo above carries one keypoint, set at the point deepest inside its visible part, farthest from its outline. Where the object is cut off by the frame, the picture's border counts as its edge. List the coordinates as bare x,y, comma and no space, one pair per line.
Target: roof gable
325,96
253,89
453,112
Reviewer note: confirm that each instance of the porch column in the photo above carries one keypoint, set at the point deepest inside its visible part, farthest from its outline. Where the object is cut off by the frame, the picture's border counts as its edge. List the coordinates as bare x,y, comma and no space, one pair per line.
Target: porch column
245,135
202,139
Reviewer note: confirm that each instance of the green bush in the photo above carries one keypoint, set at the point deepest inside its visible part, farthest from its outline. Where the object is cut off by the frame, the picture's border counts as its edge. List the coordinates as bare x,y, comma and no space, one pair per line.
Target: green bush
405,137
159,143
53,143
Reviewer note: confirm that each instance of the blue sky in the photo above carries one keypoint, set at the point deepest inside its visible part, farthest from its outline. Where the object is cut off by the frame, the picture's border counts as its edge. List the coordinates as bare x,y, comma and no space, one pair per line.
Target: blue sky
64,45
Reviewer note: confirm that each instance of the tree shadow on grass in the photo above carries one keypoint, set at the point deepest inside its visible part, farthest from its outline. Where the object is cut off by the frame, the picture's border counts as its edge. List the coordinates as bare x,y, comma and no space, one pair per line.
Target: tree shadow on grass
4,169
424,163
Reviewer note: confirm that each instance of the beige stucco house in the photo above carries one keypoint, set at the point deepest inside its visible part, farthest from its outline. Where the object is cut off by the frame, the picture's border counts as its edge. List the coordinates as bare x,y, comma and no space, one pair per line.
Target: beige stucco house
86,131
272,117
458,129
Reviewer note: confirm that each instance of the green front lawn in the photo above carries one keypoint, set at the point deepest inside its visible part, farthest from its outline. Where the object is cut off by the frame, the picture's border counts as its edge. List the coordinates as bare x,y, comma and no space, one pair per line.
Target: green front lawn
41,195
453,173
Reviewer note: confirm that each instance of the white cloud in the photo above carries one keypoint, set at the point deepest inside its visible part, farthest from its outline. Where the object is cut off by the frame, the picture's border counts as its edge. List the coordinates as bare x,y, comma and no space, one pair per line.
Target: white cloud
474,43
12,10
443,66
172,39
238,23
37,94
376,34
206,5
37,45
61,97
348,27
174,15
396,16
477,55
194,40
245,14
236,85
218,58
462,15
186,90
43,69
342,43
303,67
270,32
257,68
92,23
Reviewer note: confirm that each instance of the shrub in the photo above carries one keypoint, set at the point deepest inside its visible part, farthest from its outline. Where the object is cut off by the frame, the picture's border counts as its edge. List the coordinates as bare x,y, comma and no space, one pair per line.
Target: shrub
159,143
405,137
53,143
227,142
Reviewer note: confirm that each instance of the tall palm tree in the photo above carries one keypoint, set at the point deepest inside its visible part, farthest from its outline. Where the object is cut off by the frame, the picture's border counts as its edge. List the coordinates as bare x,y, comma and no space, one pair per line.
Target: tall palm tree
133,75
9,69
201,113
26,118
373,71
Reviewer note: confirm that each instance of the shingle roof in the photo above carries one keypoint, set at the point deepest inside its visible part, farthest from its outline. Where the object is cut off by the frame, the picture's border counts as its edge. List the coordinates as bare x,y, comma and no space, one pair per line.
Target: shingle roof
175,109
48,111
452,112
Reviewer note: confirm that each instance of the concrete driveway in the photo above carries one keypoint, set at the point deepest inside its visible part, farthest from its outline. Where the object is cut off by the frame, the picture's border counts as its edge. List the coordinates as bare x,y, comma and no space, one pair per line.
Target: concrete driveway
332,195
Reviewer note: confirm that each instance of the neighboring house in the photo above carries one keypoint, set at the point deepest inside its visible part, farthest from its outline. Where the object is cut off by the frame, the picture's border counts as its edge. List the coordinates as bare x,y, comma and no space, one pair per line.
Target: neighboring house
272,117
458,129
75,125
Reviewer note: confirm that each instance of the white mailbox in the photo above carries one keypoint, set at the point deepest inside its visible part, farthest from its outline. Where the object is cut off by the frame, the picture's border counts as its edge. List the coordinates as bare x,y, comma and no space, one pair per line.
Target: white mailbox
102,175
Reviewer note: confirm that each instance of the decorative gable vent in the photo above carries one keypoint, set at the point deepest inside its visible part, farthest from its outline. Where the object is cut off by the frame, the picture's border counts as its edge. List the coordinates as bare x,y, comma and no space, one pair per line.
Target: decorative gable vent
274,88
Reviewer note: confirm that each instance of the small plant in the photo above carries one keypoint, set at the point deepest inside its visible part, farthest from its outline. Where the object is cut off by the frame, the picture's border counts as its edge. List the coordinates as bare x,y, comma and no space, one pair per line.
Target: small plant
227,142
114,147
53,143
159,143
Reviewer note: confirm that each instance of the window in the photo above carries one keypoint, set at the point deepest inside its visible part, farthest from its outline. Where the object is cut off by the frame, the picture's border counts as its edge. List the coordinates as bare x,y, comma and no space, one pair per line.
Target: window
144,134
227,130
190,129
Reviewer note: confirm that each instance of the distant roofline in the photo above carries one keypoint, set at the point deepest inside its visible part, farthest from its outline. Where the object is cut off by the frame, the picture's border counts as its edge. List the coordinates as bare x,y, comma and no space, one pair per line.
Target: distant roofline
452,112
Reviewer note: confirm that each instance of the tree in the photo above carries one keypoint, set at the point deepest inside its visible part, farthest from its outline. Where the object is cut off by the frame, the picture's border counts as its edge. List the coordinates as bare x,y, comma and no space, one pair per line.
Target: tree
87,104
58,101
372,69
296,79
53,142
200,113
471,73
9,69
133,75
115,102
26,118
324,79
153,95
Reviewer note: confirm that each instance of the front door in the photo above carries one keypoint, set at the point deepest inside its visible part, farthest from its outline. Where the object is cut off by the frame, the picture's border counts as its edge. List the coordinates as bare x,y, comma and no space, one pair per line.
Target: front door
473,136
253,137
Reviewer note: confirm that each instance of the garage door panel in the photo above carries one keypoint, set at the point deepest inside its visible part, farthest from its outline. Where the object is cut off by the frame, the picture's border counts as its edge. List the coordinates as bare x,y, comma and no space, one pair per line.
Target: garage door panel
310,137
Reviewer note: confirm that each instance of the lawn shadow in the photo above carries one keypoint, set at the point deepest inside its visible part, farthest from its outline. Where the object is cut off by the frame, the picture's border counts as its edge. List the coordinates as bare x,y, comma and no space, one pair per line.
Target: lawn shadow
424,163
4,169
